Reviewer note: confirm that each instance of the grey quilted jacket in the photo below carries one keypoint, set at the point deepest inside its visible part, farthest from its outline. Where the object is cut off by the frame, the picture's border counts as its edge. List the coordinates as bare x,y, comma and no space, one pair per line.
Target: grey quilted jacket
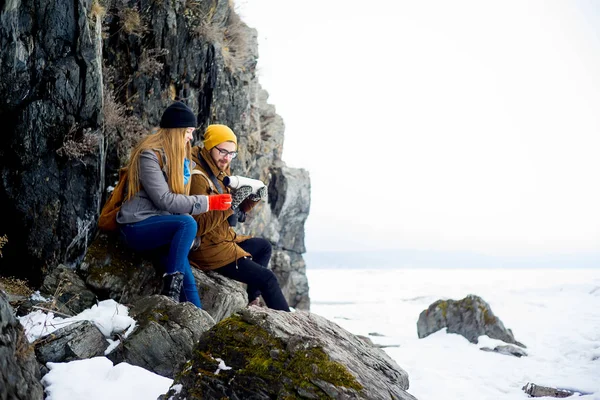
155,197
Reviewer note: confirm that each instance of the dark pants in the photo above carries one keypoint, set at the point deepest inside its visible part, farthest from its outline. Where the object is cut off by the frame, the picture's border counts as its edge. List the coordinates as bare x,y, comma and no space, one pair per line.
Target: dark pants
254,272
171,236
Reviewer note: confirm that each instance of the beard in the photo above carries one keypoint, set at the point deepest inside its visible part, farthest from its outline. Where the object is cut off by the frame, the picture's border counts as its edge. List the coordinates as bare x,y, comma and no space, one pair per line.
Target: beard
222,165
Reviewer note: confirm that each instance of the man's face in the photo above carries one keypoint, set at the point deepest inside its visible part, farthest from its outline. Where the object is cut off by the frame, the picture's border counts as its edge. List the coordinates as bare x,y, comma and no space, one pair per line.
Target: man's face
222,154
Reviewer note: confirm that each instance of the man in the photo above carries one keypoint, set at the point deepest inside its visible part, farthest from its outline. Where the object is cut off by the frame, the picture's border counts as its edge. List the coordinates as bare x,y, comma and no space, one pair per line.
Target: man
241,258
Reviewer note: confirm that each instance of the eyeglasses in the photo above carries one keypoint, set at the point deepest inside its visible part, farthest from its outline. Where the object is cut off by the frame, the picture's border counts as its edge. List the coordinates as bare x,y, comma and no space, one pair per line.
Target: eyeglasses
225,153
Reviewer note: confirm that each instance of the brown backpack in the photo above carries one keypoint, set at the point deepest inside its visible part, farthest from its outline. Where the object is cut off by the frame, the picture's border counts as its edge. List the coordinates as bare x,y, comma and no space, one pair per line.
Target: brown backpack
107,221
108,216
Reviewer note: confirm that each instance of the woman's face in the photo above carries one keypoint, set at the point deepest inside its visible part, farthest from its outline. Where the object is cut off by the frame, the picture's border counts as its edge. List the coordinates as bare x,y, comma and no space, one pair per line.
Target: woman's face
189,134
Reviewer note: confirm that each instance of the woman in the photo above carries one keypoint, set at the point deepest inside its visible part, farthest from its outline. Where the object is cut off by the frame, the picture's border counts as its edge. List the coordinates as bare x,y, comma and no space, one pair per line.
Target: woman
157,211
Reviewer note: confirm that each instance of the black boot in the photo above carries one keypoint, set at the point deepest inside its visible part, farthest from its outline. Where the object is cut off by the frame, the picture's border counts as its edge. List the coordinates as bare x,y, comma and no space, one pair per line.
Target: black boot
172,284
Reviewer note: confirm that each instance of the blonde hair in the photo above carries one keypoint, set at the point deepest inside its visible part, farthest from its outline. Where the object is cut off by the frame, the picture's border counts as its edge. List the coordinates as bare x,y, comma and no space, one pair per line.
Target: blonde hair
176,148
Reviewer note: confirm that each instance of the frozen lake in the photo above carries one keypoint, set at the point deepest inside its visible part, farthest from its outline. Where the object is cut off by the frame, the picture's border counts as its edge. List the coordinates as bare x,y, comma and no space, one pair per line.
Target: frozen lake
555,312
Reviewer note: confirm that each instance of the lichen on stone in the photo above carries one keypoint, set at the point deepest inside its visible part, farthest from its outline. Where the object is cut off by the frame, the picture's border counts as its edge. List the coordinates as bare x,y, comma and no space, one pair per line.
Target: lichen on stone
488,317
257,358
443,305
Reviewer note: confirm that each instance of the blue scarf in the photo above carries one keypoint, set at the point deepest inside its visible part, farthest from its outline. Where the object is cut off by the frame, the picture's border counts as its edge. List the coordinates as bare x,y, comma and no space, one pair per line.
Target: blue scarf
186,171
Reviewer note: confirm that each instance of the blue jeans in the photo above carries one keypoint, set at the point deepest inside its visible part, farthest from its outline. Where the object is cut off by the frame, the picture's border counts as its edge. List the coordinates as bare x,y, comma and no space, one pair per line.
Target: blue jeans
174,233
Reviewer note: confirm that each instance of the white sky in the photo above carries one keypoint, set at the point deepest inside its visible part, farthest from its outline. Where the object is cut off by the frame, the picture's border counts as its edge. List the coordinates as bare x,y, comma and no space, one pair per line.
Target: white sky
464,125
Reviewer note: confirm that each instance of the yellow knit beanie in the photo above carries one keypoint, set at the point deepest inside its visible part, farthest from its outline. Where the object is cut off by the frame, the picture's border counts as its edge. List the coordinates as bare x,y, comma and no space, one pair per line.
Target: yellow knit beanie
217,134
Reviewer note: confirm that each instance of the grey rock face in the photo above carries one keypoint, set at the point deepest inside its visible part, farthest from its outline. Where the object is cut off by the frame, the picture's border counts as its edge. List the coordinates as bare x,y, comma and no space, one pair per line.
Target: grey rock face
289,197
52,85
19,374
290,269
77,341
274,354
220,296
113,271
165,335
51,90
470,317
70,293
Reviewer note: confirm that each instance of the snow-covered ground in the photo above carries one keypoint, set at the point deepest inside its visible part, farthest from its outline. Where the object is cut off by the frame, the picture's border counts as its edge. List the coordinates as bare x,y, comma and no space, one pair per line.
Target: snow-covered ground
556,313
109,316
96,378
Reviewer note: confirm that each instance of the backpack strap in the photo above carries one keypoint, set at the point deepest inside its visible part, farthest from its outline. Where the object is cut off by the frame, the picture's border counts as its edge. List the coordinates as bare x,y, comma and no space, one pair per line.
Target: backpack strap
203,174
210,174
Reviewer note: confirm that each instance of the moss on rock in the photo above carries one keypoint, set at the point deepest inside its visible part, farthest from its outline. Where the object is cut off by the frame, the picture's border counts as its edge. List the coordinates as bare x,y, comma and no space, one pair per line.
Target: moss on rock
443,305
106,257
488,316
261,362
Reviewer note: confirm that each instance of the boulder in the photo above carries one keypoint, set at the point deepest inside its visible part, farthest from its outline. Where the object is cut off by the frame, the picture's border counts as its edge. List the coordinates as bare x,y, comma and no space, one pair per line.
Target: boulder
114,271
220,296
165,335
264,354
470,317
508,350
68,292
76,341
20,373
534,390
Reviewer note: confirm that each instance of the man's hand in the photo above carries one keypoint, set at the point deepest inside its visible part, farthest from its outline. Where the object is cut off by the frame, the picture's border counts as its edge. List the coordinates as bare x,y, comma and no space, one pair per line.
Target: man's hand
261,194
219,202
240,195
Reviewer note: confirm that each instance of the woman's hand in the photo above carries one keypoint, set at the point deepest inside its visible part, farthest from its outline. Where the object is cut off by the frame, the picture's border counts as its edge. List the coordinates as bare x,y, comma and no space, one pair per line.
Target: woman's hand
219,202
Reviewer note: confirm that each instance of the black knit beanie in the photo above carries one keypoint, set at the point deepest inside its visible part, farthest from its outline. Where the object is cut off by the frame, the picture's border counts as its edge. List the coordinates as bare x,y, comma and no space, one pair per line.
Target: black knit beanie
178,115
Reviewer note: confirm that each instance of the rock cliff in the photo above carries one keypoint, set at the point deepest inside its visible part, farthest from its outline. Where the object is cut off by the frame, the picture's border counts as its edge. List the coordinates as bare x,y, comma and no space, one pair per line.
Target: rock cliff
19,375
81,81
